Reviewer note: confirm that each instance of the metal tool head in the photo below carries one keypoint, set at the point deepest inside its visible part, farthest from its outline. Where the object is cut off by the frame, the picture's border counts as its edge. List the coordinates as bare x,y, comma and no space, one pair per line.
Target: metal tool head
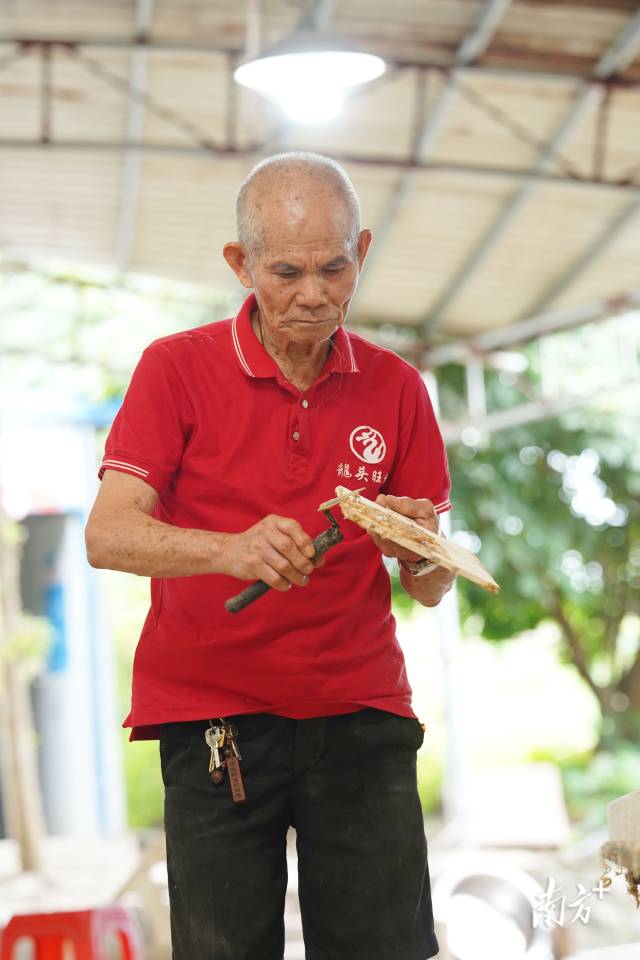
332,520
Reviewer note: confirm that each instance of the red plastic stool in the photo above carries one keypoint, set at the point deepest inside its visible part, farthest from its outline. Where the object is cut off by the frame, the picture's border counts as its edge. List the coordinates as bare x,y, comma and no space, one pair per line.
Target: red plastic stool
85,929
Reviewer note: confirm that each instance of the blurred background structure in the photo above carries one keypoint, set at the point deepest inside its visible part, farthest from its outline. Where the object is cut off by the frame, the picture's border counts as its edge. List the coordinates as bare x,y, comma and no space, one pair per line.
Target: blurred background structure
497,159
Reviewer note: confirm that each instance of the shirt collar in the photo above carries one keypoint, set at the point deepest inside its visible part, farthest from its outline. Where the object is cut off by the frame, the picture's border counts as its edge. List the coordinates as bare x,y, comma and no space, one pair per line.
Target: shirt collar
256,362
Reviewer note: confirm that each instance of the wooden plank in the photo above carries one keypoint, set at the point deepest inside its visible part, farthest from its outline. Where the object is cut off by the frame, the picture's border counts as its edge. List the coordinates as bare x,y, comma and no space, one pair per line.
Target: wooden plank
406,532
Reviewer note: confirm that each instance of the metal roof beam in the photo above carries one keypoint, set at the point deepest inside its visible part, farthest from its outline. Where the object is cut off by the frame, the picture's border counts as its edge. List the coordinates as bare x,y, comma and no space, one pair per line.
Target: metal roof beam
135,122
322,13
222,150
618,56
582,263
523,413
472,46
457,351
253,30
479,38
398,63
623,51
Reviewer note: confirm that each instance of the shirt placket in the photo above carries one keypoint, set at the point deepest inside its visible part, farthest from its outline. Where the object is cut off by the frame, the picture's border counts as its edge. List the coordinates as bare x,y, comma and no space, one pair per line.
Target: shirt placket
299,434
299,425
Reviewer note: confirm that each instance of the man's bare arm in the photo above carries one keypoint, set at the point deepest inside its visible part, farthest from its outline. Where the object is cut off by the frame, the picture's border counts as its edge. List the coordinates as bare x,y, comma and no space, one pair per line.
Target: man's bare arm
121,535
429,589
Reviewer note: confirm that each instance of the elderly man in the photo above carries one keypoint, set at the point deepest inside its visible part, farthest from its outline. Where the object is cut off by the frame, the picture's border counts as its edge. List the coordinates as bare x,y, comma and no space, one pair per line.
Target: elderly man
229,437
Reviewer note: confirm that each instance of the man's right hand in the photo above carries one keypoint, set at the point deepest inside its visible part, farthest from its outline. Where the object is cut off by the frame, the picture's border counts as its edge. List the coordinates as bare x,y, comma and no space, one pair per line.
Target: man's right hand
122,535
276,550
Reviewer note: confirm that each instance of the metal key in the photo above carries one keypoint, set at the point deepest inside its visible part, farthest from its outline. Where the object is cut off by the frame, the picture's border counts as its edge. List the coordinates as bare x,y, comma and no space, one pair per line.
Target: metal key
215,738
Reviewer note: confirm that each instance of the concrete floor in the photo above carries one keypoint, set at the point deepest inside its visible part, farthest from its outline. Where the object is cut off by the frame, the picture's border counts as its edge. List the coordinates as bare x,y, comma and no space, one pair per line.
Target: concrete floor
82,872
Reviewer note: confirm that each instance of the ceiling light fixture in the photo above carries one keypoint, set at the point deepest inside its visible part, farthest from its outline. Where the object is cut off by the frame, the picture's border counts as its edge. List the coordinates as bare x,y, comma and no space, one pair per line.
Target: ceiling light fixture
309,83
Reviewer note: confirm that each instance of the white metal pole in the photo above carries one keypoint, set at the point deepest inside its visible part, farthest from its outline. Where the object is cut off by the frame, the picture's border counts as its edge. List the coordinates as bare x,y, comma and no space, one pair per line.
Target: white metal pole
455,796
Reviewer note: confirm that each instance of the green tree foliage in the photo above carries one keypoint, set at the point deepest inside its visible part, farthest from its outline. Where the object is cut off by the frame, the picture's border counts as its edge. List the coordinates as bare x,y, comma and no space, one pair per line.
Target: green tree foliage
552,509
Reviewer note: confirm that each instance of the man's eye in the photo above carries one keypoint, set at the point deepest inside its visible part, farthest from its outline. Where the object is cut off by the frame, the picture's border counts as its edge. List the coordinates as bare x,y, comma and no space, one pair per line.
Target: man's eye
286,273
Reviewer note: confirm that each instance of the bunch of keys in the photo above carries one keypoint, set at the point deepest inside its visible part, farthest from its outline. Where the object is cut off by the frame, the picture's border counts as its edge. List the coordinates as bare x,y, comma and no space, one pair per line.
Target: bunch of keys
221,740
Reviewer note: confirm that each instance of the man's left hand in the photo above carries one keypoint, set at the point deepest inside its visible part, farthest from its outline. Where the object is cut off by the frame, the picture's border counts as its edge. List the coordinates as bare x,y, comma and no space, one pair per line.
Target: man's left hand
430,589
422,511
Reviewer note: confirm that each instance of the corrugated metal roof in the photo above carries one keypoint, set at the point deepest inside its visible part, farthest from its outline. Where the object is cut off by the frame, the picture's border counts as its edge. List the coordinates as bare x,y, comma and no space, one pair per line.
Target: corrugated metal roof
464,240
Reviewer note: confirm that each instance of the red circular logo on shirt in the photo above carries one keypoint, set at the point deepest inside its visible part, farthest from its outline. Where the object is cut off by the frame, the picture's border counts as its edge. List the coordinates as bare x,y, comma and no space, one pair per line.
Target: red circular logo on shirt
367,444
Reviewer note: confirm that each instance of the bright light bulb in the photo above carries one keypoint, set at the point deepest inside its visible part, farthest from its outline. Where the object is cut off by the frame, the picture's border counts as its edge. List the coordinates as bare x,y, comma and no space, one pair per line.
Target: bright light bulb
309,86
310,105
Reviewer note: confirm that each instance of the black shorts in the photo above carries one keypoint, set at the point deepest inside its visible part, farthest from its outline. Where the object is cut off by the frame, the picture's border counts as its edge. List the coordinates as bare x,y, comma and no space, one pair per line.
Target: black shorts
347,784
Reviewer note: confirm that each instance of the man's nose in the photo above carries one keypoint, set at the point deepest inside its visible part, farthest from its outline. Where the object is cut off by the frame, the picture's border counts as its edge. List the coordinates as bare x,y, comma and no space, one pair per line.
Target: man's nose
311,292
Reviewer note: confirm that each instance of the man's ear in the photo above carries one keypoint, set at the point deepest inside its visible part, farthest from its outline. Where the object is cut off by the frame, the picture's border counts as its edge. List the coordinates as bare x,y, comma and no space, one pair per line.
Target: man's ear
236,256
364,242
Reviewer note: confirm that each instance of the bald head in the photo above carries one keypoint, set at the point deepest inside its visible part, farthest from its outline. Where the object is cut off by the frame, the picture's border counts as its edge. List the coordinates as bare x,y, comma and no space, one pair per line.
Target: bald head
300,248
281,188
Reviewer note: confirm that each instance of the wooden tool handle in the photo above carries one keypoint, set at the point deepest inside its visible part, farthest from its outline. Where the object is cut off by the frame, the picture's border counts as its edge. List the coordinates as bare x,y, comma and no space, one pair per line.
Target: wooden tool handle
246,596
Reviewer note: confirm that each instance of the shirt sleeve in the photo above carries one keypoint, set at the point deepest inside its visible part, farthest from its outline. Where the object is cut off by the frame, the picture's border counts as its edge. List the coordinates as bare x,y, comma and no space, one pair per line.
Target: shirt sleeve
149,432
420,467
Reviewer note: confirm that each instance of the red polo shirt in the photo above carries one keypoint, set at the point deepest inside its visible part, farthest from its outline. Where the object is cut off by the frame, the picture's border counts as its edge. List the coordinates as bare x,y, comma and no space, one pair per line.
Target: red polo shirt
211,423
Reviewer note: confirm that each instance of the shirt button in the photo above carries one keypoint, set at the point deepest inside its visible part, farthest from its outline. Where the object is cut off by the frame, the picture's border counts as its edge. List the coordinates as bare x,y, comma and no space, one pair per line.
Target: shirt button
305,404
296,435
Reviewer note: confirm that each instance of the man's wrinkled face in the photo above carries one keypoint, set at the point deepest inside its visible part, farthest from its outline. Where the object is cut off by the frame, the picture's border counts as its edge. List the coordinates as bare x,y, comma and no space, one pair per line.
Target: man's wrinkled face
305,271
